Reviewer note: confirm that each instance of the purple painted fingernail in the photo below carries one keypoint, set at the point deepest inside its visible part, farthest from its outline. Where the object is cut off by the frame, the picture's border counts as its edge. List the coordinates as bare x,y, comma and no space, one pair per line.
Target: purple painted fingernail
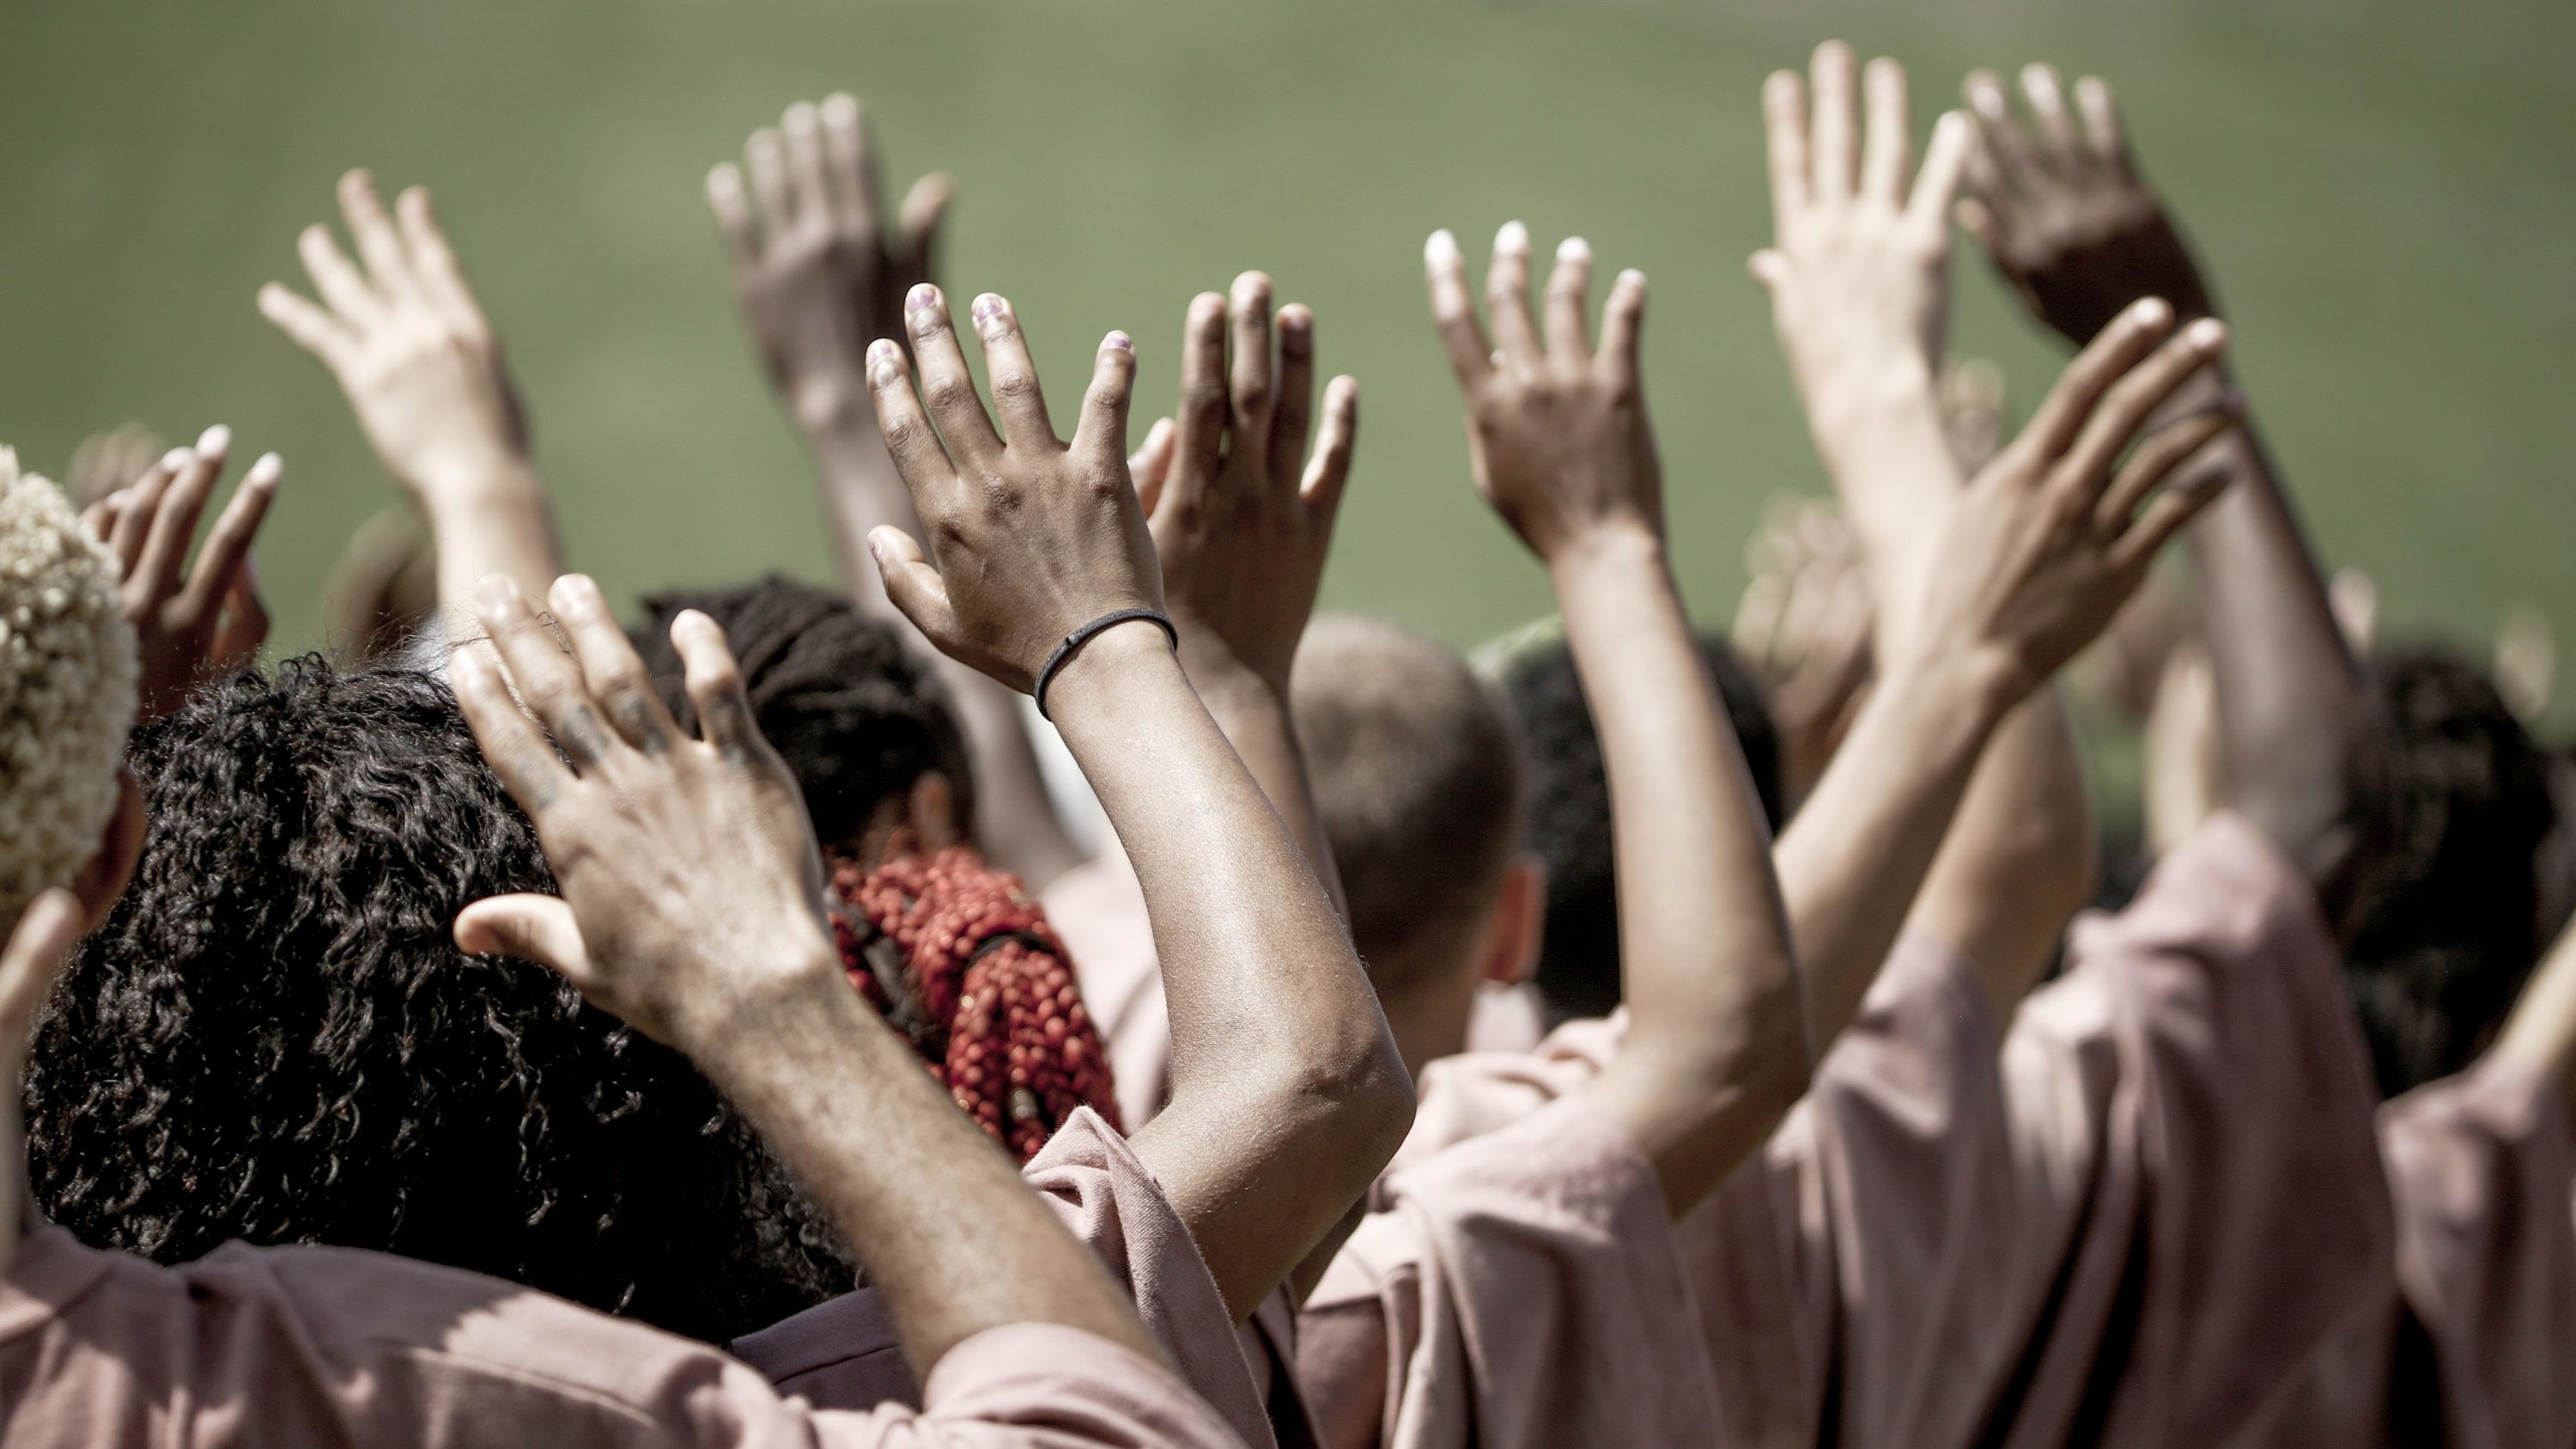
884,360
922,298
1121,341
986,308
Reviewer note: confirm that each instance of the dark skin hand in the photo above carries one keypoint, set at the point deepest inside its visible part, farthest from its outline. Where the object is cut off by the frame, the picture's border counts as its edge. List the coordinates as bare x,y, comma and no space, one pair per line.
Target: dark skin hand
1288,1094
2068,217
190,625
692,907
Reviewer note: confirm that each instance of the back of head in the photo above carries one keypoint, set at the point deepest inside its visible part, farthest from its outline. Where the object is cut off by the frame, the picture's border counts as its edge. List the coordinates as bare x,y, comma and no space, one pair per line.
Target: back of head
2449,930
1416,774
67,682
274,1037
1568,818
856,716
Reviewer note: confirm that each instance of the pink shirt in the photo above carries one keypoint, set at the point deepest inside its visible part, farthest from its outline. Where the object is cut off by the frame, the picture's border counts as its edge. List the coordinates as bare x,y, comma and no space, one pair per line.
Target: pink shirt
845,1354
1516,1290
315,1346
2128,1220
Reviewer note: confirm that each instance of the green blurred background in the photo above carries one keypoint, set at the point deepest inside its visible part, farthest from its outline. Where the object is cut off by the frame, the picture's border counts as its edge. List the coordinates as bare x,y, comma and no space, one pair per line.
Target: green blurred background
2383,187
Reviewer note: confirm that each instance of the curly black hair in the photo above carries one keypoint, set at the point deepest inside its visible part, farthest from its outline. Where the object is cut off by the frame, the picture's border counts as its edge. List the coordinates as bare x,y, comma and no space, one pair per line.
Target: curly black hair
2449,926
1567,815
857,716
274,1038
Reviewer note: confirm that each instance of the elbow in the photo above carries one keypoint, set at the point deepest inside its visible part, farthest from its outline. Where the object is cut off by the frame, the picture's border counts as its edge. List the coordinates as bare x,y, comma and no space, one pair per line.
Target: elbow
1353,1092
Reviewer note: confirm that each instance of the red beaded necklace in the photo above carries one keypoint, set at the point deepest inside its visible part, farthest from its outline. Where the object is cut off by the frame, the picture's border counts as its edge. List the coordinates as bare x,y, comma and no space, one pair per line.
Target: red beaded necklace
957,957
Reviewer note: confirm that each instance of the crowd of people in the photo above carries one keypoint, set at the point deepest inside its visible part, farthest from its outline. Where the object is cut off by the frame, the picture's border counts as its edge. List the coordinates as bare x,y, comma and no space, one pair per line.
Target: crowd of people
736,1028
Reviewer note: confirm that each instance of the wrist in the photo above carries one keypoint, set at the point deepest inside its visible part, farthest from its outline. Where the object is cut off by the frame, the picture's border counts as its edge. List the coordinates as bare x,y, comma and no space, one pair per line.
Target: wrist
1096,674
834,412
501,481
1603,551
743,1007
1971,690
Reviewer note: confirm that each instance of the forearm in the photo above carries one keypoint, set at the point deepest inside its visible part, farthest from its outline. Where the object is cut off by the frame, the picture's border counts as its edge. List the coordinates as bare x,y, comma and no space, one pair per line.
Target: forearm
1258,723
1014,820
2299,729
496,525
1287,1092
1717,1047
897,1168
2540,1035
2016,859
1853,860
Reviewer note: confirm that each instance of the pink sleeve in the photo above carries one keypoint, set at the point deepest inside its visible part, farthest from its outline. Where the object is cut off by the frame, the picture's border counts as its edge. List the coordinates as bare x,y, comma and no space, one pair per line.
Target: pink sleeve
299,1346
2486,1247
2200,1203
844,1354
1870,1233
1521,1290
1098,911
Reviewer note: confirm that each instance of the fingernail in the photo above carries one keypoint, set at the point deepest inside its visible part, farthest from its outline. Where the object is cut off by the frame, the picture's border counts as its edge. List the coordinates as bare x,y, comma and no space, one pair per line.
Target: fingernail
1574,249
1441,248
874,551
885,361
1514,237
264,472
582,598
493,592
214,440
2207,332
176,459
1632,278
840,106
2152,312
1121,341
921,298
986,308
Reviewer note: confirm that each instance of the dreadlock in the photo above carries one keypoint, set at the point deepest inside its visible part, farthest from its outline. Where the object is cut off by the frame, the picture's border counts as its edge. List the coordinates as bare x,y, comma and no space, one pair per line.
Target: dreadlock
273,1038
948,948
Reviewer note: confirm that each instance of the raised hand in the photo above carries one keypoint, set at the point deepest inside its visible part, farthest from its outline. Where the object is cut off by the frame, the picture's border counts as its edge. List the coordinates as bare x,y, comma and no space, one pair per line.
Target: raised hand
403,333
1241,517
2061,207
1556,426
691,885
1859,270
190,625
1804,627
109,461
2054,535
817,271
1030,537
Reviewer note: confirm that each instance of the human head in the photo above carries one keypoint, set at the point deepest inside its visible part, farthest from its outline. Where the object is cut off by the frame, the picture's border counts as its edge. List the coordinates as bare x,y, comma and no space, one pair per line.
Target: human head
274,1038
67,698
1416,774
2449,929
1567,820
867,731
862,723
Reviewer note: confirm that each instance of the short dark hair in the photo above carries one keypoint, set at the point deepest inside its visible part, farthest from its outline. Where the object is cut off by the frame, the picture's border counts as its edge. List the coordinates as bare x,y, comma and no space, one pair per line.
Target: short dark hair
2449,927
1416,774
273,1038
857,715
1568,816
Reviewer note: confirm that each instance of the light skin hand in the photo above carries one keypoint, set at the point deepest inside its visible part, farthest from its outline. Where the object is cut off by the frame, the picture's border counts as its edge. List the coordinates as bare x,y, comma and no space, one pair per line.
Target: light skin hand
2059,204
191,625
1287,1092
692,908
817,270
39,943
1717,1050
404,335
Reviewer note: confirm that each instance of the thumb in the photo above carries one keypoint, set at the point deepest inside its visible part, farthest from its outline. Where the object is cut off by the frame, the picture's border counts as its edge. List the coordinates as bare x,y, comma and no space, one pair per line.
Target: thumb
911,584
1768,267
527,927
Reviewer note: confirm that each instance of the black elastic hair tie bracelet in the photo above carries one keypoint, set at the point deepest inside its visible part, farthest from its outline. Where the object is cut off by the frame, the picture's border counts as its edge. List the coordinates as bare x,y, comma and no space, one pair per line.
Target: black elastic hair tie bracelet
1083,635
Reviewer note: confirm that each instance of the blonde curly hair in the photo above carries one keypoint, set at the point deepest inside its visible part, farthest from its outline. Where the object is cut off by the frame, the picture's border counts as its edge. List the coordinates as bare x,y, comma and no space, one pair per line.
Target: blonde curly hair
67,683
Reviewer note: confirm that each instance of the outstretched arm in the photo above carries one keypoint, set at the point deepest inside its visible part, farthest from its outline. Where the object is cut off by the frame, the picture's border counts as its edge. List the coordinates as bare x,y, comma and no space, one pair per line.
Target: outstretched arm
2541,1032
1287,1092
692,907
2072,224
409,344
818,273
1243,520
1859,281
1557,429
39,942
